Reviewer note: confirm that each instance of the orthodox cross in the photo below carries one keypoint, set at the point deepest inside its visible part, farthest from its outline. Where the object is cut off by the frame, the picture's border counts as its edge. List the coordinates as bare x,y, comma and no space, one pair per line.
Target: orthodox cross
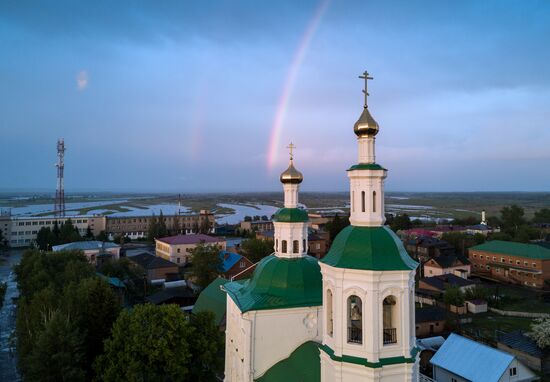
291,148
366,77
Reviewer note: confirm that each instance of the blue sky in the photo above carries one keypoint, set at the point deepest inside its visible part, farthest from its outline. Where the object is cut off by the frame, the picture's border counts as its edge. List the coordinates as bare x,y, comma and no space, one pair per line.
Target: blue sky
182,96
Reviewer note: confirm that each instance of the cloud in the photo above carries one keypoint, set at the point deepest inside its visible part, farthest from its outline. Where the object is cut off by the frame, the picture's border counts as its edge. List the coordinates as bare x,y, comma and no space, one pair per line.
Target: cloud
82,79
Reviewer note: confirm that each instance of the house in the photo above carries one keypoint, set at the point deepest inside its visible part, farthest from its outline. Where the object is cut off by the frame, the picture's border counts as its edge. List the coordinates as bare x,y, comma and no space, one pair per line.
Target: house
233,264
476,306
445,264
460,359
427,247
181,296
95,251
257,225
430,321
177,249
156,268
318,244
525,349
442,282
510,262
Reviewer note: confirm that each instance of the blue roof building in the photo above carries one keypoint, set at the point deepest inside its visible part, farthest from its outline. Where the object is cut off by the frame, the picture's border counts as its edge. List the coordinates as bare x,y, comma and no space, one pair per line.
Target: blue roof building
461,359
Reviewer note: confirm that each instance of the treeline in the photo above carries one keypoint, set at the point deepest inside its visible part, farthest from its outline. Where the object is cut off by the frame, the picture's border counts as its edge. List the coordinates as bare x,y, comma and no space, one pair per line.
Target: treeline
158,227
47,237
71,327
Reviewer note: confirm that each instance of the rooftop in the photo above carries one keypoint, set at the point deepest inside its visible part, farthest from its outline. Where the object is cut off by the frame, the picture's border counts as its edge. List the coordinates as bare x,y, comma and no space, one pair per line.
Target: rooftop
430,313
471,360
148,261
229,259
213,299
519,341
85,246
190,239
303,364
532,251
440,282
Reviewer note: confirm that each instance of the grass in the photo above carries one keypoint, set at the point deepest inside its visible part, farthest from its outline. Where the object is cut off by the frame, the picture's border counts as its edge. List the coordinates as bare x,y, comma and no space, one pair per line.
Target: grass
519,299
486,324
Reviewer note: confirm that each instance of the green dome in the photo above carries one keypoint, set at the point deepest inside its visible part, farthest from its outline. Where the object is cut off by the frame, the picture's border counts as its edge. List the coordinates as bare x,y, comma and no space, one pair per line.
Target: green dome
291,215
369,248
279,283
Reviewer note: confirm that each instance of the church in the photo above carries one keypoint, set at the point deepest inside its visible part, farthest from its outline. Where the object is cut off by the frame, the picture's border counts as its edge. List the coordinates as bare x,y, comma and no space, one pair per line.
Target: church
348,317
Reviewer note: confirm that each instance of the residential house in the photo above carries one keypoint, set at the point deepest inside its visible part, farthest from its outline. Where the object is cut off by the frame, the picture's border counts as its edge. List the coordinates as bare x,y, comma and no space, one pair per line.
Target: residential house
318,244
177,249
424,248
257,225
156,268
510,262
182,296
460,359
476,306
430,321
96,251
525,349
233,264
446,264
442,282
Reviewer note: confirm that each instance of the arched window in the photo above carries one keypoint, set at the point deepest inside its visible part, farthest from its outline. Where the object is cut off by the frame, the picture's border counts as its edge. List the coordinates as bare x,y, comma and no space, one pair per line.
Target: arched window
330,318
374,201
389,312
362,201
283,246
295,246
355,320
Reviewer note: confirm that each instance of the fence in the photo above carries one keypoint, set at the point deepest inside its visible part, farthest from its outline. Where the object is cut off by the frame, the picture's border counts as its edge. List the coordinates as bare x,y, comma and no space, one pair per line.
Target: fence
512,313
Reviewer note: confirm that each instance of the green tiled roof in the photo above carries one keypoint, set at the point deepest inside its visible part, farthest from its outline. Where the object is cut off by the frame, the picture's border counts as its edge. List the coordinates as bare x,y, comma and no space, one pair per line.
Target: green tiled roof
532,251
304,365
369,248
366,166
279,283
291,215
213,299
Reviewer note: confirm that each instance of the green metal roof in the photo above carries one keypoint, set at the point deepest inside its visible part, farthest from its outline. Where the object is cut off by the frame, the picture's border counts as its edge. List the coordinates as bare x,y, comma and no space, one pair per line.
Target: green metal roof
366,166
369,248
304,365
213,299
279,283
291,215
364,362
532,251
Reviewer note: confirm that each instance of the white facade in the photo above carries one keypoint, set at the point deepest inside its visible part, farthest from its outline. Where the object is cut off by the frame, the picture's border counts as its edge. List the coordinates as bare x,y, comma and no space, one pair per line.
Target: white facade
23,230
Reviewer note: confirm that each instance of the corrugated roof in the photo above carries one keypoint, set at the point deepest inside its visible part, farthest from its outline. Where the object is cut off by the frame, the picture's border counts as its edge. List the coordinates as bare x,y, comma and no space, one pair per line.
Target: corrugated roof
85,245
532,251
229,259
471,360
430,313
190,239
148,261
440,282
213,299
519,341
303,364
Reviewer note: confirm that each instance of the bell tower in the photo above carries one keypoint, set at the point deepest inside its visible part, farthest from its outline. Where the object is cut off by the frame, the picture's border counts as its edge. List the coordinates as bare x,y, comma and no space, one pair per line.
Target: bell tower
368,281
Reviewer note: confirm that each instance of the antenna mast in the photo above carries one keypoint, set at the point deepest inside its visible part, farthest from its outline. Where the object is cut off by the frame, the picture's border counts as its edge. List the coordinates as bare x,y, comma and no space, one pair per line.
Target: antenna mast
59,209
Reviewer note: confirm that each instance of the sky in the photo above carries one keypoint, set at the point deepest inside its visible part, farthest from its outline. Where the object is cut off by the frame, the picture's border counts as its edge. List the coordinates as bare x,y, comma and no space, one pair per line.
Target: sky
205,96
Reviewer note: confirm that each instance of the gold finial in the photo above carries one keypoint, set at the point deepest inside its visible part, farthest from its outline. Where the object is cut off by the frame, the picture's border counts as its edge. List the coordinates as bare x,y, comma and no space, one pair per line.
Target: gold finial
291,148
366,77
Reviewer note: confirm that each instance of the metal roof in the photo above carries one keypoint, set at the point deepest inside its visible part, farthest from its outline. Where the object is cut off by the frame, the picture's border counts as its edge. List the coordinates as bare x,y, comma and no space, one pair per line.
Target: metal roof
85,245
519,341
229,259
190,239
471,360
532,251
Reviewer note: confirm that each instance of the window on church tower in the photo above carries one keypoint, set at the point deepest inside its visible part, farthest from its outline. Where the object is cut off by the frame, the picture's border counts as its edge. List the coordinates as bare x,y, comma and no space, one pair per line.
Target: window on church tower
355,320
374,201
304,245
283,246
389,307
330,317
362,201
295,246
276,244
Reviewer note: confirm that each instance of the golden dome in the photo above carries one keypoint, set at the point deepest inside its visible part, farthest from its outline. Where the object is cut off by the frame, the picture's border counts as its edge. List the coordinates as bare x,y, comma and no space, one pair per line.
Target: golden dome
365,126
291,175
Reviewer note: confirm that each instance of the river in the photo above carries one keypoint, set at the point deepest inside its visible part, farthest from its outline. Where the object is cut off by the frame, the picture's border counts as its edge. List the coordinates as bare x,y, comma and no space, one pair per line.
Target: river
8,369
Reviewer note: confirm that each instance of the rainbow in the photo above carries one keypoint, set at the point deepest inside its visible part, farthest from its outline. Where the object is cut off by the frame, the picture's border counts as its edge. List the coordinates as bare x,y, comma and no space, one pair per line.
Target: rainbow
282,106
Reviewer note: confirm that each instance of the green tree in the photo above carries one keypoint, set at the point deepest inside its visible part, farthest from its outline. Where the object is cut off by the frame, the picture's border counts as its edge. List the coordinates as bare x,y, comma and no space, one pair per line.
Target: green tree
401,222
207,344
127,271
176,227
256,249
45,238
152,232
206,264
148,343
68,233
540,332
162,230
89,234
462,241
512,218
453,296
57,353
102,236
542,216
56,234
336,225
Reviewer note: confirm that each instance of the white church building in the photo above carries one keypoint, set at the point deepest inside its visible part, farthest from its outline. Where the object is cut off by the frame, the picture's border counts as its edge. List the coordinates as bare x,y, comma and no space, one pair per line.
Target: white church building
348,317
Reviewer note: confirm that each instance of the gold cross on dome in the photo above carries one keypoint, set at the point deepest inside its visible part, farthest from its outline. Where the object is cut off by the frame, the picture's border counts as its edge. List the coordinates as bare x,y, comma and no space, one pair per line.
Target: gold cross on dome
291,148
366,77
